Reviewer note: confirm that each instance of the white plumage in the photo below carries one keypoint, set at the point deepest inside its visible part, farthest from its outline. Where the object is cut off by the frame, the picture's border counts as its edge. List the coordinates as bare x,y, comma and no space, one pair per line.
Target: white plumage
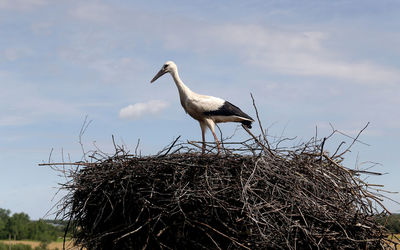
208,110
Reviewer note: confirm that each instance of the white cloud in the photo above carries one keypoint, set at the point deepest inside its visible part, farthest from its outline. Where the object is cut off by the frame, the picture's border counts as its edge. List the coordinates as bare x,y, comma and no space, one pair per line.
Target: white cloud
296,53
21,4
94,12
15,53
138,110
108,69
302,54
42,28
34,108
116,69
13,120
100,52
22,102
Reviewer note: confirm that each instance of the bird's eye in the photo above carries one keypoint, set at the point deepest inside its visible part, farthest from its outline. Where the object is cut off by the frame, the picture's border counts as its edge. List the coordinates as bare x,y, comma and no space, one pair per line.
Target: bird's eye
165,66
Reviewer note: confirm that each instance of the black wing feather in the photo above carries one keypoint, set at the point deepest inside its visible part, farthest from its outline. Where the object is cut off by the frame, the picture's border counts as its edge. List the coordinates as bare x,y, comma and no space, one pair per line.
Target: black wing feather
229,109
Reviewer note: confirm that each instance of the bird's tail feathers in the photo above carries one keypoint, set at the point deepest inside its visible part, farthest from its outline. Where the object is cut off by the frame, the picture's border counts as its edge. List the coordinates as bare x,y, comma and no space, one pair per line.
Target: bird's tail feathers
247,123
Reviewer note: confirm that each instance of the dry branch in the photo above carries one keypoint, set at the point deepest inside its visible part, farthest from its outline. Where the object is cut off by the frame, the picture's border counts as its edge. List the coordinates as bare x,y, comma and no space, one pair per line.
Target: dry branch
254,197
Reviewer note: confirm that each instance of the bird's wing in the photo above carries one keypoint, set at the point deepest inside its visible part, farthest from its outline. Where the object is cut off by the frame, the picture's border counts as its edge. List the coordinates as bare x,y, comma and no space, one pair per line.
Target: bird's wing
228,109
203,103
214,106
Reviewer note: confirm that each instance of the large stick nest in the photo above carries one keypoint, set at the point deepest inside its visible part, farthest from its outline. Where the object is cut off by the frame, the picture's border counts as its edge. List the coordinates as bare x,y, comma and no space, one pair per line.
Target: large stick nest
259,198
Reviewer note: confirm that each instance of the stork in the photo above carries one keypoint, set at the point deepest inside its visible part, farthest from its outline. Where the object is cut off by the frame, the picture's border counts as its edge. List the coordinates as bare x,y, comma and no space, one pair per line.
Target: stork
208,110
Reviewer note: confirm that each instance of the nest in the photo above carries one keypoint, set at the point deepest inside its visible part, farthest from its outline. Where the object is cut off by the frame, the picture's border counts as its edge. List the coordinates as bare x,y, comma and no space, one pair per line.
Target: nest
252,196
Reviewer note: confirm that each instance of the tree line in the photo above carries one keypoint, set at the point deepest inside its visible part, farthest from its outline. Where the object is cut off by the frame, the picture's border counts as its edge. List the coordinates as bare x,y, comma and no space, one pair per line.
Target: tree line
18,226
391,222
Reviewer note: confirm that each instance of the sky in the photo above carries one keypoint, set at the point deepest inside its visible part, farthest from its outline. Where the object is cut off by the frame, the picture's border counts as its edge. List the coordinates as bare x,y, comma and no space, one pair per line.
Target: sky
309,64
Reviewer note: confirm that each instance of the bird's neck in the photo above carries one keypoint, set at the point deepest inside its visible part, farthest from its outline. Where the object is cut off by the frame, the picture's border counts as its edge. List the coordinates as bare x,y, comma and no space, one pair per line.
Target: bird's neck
184,91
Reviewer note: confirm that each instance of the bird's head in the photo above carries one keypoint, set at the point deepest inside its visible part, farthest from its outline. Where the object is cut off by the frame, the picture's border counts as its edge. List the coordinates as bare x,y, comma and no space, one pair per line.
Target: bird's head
169,66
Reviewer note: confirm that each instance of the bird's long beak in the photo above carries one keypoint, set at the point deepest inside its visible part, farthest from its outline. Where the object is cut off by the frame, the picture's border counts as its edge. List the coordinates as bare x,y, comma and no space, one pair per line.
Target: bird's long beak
160,73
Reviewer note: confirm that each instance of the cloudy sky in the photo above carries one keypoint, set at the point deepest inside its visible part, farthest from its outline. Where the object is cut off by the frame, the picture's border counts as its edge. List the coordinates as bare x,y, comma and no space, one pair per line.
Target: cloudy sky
309,64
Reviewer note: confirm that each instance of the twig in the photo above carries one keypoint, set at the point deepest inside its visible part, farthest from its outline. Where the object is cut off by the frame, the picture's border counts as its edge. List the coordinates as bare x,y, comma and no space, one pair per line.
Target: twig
258,141
260,124
354,140
172,145
67,164
220,233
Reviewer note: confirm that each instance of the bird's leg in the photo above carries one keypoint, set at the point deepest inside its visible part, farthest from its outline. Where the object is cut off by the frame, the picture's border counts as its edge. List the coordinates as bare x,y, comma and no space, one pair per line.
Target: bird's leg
216,141
203,148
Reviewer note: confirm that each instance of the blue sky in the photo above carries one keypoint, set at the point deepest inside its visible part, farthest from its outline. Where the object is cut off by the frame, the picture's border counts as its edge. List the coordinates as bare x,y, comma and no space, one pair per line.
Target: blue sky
308,64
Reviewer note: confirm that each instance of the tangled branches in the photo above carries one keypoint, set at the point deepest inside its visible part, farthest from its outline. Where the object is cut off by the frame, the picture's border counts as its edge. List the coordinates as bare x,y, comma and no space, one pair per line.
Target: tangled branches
251,197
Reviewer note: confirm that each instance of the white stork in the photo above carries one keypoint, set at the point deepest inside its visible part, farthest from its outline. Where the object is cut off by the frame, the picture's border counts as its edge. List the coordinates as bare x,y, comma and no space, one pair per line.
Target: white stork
208,110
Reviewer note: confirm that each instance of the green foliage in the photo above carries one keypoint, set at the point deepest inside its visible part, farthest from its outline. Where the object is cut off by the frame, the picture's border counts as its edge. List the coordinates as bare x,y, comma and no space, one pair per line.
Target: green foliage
391,222
42,231
4,217
19,227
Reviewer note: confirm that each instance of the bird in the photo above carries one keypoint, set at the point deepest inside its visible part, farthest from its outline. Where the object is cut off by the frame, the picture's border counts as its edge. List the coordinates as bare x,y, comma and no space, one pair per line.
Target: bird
207,110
